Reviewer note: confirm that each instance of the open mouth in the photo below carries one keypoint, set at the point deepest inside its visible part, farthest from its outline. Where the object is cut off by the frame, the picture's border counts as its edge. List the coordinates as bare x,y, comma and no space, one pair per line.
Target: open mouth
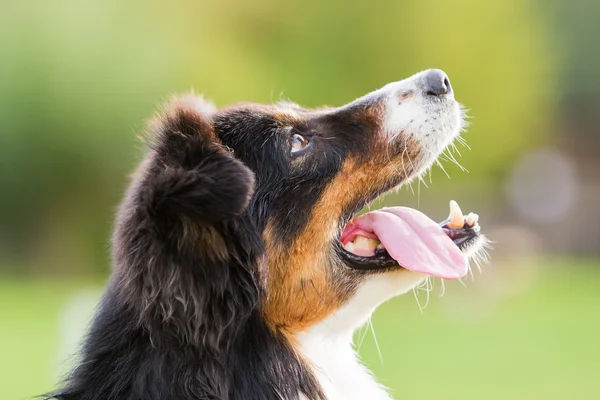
404,237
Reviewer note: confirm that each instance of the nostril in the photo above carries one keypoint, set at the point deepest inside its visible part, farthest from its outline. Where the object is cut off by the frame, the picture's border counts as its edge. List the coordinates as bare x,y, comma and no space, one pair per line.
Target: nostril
446,82
436,83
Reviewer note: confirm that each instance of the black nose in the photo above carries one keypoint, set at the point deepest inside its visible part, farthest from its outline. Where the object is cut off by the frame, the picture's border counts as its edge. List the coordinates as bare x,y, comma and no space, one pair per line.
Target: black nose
437,83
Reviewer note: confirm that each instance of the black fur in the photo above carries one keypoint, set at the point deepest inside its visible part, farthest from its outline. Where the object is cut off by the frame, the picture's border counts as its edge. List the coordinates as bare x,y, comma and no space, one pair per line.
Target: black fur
180,318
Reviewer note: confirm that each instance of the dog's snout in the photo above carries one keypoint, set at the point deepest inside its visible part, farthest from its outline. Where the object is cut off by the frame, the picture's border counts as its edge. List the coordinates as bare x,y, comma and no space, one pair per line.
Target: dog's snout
436,83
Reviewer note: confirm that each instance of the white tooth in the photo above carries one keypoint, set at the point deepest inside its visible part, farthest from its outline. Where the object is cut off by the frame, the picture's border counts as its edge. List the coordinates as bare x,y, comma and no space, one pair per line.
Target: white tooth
373,243
457,221
380,246
349,246
469,220
472,219
363,243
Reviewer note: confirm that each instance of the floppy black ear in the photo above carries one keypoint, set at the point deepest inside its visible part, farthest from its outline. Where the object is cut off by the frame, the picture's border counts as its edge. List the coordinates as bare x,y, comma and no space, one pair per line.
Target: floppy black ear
190,172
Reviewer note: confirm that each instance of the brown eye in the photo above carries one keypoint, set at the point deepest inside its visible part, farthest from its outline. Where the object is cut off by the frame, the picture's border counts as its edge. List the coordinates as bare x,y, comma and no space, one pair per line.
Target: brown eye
298,143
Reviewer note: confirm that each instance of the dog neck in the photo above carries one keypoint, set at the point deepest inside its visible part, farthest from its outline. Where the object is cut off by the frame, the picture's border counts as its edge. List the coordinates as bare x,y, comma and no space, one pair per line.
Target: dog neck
327,346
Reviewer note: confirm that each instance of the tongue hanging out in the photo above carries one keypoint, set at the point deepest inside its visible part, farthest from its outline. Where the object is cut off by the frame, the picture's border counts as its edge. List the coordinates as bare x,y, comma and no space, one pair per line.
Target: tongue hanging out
415,241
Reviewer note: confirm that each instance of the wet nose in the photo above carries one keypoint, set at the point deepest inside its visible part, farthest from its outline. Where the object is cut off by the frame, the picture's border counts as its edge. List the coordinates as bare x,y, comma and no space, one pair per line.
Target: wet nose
436,83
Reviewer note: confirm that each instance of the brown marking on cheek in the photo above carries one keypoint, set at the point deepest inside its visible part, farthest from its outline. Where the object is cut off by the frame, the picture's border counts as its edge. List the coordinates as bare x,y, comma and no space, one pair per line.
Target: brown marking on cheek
306,281
300,289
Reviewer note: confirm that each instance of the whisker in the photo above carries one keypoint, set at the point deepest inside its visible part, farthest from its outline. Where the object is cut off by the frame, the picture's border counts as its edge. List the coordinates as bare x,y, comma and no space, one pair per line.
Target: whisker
453,160
363,334
415,290
419,193
477,263
456,149
376,342
439,164
428,289
463,142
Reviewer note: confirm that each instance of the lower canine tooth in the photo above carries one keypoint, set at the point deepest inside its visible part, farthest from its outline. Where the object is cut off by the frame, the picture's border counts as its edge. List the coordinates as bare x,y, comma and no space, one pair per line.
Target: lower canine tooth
457,220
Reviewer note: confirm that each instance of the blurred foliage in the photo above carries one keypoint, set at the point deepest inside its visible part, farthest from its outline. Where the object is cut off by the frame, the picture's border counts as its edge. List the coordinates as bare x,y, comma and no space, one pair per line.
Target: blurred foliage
78,79
576,31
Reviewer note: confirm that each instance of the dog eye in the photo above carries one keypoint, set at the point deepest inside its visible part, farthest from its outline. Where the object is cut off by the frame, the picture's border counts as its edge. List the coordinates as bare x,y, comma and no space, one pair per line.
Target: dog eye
298,142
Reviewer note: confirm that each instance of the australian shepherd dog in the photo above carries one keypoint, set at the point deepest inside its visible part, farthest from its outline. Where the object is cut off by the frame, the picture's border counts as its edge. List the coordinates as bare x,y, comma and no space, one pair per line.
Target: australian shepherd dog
240,267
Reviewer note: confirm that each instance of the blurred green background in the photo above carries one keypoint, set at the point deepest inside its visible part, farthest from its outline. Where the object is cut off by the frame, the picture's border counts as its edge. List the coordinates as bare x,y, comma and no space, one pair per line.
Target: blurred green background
78,79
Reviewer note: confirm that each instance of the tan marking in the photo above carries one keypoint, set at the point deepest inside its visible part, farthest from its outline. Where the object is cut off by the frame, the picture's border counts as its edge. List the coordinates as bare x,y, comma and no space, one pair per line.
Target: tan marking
301,290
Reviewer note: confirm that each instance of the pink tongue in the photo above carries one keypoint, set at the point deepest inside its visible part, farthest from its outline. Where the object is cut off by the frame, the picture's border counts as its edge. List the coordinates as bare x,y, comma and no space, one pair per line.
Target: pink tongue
415,241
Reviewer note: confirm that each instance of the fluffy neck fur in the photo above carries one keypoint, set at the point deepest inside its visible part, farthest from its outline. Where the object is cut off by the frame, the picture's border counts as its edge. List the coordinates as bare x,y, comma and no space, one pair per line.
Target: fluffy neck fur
328,348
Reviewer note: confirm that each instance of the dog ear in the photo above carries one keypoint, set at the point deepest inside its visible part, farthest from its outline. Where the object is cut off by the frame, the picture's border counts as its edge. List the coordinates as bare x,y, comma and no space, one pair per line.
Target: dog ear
190,171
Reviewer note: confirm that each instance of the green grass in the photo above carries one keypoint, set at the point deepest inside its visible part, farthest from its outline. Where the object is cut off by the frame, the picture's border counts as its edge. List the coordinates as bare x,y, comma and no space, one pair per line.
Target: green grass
29,335
487,341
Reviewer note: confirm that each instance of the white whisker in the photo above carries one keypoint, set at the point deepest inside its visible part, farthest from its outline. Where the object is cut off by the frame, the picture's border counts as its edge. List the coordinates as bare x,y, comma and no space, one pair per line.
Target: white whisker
442,168
362,334
456,149
463,142
415,293
376,342
453,160
428,289
419,193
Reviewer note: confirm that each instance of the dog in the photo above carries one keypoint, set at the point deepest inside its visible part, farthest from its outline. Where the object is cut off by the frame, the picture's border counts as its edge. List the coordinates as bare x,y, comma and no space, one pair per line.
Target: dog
240,268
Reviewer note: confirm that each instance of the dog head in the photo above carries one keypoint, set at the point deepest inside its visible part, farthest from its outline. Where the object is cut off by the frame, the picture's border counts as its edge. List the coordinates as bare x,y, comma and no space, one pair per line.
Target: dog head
312,171
237,252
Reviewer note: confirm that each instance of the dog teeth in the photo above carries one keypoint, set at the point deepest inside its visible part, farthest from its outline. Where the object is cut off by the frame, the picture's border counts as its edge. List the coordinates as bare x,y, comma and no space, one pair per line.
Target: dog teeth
472,219
363,246
367,244
457,220
380,247
349,246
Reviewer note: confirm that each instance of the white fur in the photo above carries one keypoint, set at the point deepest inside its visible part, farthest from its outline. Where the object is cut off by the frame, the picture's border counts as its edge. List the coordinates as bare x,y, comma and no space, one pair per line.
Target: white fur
434,122
327,346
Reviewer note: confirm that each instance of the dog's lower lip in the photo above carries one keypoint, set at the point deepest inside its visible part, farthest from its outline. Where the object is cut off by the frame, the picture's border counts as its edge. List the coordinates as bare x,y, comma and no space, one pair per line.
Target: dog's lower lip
380,261
463,236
